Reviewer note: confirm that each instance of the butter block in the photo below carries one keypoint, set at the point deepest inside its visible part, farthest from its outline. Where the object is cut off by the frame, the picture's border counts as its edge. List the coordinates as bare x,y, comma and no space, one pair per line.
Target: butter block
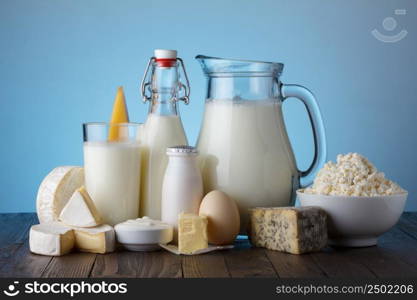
119,115
80,210
192,233
294,230
51,238
100,239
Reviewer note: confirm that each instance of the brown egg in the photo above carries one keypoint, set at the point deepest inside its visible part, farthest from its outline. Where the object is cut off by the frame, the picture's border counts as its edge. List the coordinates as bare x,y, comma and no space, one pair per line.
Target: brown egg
223,218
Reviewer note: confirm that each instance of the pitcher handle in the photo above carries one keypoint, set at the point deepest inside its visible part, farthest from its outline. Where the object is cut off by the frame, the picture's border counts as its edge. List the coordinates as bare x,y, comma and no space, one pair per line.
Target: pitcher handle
310,103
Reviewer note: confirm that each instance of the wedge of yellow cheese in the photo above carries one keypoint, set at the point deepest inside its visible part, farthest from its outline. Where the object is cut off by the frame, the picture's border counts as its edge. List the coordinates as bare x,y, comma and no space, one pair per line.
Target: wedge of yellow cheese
119,115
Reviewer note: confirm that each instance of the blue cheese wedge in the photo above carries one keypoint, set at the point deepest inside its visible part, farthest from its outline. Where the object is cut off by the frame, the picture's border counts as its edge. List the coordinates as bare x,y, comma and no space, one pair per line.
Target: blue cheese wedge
294,230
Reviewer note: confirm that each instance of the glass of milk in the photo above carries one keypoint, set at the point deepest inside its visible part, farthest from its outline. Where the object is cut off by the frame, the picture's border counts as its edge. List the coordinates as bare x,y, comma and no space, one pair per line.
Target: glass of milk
112,169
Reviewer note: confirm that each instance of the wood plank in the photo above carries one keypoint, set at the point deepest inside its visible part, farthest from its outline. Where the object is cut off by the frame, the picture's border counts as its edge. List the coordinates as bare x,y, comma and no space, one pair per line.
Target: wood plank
335,263
117,264
400,245
381,262
25,264
14,233
15,227
210,265
391,258
160,264
73,265
411,216
408,224
248,262
7,252
294,266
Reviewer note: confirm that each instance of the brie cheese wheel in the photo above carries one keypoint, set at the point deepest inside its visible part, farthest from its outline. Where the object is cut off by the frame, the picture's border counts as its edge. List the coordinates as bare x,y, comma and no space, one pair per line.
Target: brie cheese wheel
55,191
80,210
51,239
100,239
143,234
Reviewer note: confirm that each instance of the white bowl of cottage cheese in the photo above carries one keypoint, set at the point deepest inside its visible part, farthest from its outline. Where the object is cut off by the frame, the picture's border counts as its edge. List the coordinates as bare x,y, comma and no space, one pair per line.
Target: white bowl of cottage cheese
360,202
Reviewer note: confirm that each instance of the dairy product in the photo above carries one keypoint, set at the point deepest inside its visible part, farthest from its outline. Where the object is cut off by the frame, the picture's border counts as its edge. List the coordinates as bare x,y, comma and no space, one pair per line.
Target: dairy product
245,153
55,190
352,175
100,239
51,238
192,233
182,188
55,239
119,115
80,210
160,132
143,234
112,178
294,230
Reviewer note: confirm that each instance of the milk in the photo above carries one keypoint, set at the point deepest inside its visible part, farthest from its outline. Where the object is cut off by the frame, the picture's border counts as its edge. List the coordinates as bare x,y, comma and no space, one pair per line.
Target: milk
112,178
245,152
160,132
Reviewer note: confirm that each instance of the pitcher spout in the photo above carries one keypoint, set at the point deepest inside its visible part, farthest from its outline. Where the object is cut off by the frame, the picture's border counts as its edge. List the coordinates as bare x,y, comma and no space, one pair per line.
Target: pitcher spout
216,66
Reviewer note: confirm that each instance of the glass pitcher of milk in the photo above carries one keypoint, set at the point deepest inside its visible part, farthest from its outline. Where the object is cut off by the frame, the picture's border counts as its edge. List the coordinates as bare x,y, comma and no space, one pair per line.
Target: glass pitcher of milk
162,87
243,143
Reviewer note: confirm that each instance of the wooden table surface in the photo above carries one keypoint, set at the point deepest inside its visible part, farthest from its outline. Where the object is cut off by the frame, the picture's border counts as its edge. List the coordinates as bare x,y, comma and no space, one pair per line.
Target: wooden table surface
395,256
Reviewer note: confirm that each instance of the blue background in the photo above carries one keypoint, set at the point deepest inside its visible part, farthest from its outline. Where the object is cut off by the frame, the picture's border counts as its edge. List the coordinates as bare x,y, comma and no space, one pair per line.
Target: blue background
61,62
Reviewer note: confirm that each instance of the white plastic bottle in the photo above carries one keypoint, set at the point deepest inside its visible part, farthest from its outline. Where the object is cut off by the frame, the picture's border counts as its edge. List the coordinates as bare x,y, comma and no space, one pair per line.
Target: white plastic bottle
182,189
163,128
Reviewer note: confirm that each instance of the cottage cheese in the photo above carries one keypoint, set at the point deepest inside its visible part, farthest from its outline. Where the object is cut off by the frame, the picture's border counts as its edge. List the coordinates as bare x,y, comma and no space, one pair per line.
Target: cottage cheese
352,175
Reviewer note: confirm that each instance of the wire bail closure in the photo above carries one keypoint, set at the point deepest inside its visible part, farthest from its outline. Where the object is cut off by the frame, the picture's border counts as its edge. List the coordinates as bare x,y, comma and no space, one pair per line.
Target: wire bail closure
146,85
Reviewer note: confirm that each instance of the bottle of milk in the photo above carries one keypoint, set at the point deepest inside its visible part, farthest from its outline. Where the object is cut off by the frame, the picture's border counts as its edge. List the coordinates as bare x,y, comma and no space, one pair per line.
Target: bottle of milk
162,87
182,188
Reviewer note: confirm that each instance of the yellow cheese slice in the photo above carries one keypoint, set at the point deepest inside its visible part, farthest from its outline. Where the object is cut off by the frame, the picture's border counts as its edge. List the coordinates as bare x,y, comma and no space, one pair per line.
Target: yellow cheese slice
119,115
